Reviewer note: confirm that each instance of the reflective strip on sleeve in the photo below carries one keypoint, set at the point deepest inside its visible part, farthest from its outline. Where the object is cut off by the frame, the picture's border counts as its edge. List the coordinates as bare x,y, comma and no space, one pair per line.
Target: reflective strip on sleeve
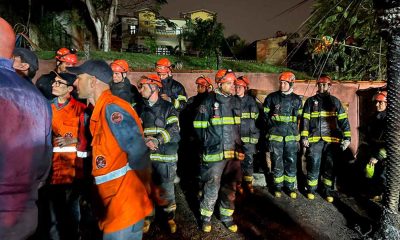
163,158
300,111
347,134
290,179
312,183
275,138
181,98
252,115
331,139
200,124
266,110
172,119
304,133
249,140
176,104
306,116
213,157
323,114
205,212
279,179
64,149
153,131
226,211
292,138
382,153
112,175
225,121
342,116
286,119
81,154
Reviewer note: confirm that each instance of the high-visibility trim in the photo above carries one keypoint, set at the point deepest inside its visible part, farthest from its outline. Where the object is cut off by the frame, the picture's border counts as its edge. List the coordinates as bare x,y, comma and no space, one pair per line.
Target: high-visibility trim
247,115
200,124
286,119
266,110
275,138
342,116
163,158
323,114
312,183
64,149
279,179
307,116
181,98
205,212
226,212
289,138
153,131
176,104
172,119
249,140
81,154
325,138
225,121
300,111
290,179
304,133
382,153
326,181
347,134
213,157
112,175
248,178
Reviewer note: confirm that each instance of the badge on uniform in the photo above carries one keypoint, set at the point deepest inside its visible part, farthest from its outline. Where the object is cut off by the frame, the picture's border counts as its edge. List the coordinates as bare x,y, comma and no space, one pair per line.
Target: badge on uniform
116,117
100,162
202,109
68,135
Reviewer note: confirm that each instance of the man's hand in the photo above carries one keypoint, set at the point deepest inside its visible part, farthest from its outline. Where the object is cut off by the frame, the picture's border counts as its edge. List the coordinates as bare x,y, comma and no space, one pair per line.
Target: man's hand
305,143
165,97
151,143
65,141
373,161
345,144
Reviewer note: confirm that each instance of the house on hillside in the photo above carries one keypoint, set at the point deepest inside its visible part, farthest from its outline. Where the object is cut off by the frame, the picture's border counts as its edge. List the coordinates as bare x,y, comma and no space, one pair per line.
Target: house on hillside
269,50
200,13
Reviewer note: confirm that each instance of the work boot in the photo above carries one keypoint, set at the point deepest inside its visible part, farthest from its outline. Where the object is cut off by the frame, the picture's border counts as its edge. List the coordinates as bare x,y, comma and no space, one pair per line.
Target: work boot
329,199
146,226
172,225
231,226
311,196
293,194
206,226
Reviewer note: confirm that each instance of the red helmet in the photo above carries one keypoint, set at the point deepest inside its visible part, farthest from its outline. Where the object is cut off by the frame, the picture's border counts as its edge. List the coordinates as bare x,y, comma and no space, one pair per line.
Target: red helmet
120,66
62,52
163,65
151,79
287,77
381,96
242,81
224,75
204,81
324,79
69,58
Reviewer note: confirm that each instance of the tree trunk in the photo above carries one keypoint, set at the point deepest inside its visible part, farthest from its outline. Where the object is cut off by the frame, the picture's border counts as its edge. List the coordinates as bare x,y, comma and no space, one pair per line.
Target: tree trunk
106,39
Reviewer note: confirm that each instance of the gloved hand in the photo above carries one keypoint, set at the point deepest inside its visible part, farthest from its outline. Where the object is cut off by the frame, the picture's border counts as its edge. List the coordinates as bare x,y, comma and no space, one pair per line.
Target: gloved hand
345,144
373,161
305,143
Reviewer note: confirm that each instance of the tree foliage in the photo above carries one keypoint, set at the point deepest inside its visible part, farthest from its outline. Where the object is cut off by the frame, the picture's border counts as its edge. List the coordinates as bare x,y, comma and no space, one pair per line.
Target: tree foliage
345,41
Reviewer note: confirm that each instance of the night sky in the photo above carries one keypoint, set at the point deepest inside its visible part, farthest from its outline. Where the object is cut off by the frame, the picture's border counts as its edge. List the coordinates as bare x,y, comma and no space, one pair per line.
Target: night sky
250,19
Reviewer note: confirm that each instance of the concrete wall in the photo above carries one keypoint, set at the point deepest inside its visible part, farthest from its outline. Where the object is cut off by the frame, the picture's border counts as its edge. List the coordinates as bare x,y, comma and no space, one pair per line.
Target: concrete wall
266,83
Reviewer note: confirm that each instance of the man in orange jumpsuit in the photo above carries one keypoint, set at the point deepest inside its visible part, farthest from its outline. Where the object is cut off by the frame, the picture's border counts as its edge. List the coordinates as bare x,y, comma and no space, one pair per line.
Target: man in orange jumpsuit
120,163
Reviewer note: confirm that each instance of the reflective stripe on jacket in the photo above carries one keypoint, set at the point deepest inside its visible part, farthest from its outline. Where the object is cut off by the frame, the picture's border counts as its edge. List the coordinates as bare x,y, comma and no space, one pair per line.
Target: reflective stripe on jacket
175,91
248,131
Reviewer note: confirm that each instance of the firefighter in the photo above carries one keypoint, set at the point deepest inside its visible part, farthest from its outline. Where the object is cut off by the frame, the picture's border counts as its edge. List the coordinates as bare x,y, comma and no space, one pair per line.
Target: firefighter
161,131
282,110
69,150
325,132
64,58
217,124
172,91
375,169
120,168
121,86
248,130
25,63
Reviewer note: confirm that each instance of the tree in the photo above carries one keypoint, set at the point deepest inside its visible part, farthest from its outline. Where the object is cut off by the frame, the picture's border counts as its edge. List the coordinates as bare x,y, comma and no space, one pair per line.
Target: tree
206,37
345,40
103,14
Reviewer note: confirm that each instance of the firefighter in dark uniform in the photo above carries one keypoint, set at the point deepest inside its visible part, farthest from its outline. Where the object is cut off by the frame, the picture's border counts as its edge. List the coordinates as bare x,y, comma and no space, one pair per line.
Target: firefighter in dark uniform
161,131
172,90
121,86
325,132
248,131
283,110
217,125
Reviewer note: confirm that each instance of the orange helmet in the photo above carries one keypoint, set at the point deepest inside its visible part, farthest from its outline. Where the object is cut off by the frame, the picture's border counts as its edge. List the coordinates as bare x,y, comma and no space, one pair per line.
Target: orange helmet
120,66
62,52
324,79
287,77
204,81
381,96
242,81
224,75
69,58
151,79
163,65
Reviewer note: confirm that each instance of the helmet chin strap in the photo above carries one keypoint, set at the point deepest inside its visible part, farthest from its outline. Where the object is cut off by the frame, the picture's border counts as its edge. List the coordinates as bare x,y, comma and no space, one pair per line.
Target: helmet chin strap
153,89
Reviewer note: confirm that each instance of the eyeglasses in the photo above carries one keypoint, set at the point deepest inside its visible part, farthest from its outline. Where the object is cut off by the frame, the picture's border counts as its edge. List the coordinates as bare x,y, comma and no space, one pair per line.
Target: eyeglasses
58,83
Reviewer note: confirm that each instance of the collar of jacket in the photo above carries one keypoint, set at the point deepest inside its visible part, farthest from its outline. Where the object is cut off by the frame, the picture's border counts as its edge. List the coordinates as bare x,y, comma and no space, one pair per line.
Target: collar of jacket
147,102
99,105
166,80
7,64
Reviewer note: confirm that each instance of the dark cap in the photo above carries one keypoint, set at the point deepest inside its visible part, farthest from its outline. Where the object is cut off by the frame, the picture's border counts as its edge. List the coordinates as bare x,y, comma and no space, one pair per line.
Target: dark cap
98,68
27,56
69,77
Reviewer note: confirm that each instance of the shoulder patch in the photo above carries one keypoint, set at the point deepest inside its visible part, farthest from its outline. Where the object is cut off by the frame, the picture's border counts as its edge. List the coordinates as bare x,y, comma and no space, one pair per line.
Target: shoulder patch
202,109
100,162
116,117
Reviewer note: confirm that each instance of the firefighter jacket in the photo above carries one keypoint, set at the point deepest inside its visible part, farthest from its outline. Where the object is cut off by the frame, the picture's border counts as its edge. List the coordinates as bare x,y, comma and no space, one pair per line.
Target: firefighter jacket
248,131
118,150
375,135
67,122
217,125
282,113
161,122
128,92
324,118
175,91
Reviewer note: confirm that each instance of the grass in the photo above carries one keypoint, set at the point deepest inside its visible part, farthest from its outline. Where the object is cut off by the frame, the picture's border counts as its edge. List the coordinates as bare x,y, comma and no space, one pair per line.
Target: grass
145,62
